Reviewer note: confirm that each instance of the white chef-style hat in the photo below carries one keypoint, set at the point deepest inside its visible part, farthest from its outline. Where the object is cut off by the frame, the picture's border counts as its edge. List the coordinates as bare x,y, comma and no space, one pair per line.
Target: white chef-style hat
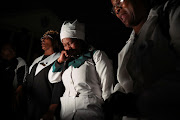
72,30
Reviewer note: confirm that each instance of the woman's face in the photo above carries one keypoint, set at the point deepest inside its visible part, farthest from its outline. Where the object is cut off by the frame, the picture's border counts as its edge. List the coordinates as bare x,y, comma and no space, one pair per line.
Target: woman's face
46,43
72,45
7,52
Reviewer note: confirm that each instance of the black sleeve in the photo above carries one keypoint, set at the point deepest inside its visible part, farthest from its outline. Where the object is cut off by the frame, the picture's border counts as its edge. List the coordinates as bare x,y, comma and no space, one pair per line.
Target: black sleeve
58,91
20,75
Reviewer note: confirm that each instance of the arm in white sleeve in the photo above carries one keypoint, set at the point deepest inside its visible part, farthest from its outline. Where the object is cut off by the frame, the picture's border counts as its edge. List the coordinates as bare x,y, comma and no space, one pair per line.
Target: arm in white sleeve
54,74
104,69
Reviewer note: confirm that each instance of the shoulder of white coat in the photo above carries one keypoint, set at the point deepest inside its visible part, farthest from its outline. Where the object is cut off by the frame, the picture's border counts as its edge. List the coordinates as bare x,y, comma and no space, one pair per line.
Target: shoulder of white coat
99,54
21,62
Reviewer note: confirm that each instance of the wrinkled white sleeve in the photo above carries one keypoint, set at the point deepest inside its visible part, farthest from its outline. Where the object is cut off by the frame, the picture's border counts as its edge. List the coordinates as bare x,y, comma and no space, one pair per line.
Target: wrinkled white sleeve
104,69
54,77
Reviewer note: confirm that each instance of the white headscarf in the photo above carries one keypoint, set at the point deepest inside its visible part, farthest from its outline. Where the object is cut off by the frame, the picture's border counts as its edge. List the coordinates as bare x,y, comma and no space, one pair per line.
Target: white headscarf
72,30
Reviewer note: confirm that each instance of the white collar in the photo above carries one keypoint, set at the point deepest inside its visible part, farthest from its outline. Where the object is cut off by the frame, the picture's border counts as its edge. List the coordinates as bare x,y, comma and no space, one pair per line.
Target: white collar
44,63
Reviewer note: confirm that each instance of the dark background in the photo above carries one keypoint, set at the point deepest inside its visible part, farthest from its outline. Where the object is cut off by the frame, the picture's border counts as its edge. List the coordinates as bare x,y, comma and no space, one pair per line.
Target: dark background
24,22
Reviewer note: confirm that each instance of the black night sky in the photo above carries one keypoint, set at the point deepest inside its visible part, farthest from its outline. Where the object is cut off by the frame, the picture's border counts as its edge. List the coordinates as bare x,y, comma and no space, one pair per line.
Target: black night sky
24,22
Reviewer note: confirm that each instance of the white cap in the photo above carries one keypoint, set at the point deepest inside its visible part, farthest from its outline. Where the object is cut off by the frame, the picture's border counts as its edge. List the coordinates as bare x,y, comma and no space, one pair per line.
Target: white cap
72,30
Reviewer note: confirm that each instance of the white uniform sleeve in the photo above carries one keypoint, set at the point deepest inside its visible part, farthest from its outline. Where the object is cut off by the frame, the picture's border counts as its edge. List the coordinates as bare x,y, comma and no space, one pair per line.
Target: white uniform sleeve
104,69
54,77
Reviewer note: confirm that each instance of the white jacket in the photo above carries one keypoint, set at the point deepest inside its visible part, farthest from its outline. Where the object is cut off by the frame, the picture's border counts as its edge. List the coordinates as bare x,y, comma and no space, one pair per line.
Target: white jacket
152,60
86,87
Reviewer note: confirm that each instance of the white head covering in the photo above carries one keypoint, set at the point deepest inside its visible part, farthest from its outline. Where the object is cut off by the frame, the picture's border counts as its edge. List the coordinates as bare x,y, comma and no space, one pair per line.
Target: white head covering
72,30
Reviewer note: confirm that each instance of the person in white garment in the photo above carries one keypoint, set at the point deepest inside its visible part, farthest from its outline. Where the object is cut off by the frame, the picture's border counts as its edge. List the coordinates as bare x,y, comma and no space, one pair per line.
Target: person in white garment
87,75
149,64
